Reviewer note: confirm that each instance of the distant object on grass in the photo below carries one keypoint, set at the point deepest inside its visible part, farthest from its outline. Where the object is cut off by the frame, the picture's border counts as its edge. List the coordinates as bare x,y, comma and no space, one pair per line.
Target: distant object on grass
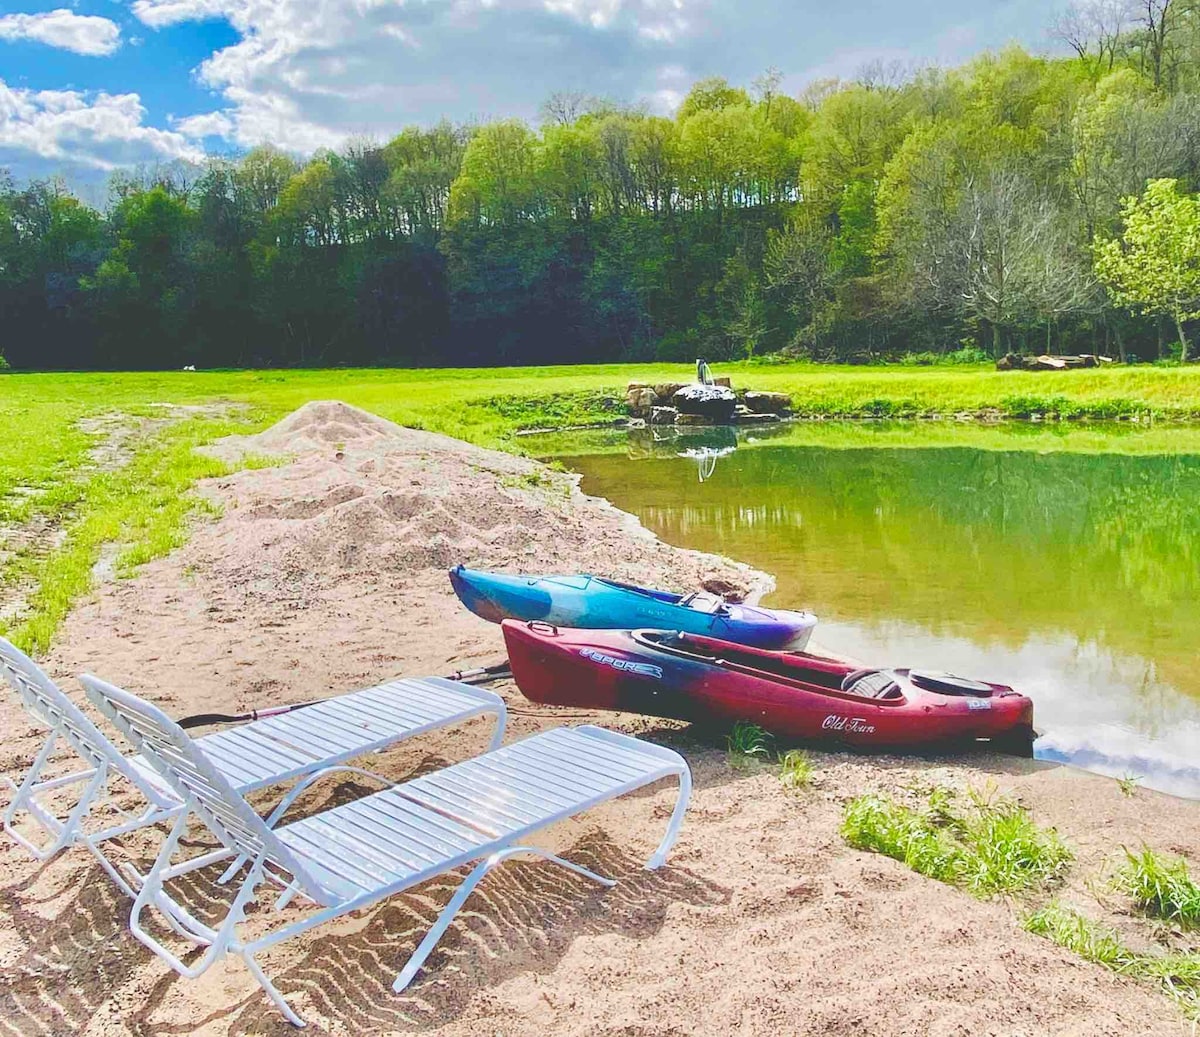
189,367
1045,362
707,401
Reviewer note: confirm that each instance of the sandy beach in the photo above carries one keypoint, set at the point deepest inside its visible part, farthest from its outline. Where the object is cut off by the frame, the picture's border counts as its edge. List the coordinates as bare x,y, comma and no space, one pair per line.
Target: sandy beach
327,573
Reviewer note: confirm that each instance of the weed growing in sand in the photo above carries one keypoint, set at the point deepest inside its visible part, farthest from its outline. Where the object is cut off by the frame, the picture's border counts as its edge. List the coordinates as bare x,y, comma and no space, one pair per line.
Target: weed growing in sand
1161,888
988,846
796,770
1177,975
748,743
1128,784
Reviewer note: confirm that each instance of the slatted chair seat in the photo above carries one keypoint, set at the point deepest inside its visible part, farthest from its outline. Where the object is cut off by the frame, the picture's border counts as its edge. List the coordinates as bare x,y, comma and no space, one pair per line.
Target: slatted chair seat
271,751
347,858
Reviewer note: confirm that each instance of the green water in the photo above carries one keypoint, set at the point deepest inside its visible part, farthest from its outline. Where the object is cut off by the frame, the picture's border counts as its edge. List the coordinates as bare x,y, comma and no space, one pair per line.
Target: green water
1065,564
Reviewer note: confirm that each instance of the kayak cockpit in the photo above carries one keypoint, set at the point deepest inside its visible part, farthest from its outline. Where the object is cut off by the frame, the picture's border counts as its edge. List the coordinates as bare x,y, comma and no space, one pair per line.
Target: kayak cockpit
811,671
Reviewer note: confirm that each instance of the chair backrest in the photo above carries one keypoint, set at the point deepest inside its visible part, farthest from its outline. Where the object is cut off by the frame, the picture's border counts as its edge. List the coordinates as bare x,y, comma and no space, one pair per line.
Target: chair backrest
183,765
47,702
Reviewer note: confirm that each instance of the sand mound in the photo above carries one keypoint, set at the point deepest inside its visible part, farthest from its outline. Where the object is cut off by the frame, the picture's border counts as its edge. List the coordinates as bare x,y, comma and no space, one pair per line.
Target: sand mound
366,498
326,426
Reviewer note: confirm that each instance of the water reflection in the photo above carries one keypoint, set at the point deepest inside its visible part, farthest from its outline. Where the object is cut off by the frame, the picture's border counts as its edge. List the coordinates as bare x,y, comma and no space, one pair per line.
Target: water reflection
1072,576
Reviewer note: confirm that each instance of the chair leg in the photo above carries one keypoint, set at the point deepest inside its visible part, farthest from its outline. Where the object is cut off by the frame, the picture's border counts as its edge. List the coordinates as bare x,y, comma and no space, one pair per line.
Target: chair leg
272,991
24,800
676,822
414,963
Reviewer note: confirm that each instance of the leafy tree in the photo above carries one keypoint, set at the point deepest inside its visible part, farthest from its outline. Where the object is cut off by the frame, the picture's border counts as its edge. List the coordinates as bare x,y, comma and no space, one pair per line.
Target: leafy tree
1154,266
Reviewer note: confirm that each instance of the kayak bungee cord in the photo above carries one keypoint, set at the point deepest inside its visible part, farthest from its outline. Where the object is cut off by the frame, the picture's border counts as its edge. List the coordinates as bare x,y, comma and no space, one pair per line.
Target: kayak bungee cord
479,675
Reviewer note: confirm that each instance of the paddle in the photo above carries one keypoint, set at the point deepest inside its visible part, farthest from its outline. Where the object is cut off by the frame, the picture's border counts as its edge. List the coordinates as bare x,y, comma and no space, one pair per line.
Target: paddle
480,675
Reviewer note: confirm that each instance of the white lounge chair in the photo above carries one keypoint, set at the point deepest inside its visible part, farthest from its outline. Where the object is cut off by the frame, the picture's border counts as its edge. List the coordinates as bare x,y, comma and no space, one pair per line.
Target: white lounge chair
251,756
355,855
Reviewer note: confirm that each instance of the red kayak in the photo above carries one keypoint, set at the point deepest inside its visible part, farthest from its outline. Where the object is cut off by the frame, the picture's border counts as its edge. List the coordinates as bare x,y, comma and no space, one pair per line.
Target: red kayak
793,695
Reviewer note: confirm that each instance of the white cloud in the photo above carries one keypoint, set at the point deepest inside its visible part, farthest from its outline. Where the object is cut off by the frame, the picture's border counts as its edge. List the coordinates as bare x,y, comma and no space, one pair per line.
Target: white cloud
46,128
307,74
83,34
208,124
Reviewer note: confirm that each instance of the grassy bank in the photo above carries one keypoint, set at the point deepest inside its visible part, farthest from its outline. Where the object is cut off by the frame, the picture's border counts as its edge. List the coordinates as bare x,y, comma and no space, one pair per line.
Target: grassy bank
53,483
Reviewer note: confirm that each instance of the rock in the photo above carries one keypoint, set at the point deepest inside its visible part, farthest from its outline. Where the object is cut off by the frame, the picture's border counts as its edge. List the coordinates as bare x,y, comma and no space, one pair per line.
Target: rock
665,390
743,415
723,380
640,402
1047,362
713,401
768,402
725,588
694,419
663,415
636,423
637,385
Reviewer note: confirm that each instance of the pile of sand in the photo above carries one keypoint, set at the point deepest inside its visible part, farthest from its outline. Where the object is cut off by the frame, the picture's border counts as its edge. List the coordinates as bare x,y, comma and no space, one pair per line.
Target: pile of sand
366,499
328,573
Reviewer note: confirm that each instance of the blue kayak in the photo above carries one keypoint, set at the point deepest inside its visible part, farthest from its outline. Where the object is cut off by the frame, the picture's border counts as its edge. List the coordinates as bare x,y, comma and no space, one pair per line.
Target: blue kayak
592,602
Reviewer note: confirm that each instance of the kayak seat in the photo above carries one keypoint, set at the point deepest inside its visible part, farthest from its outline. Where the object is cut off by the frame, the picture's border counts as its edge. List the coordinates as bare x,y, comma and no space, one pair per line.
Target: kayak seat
871,684
704,602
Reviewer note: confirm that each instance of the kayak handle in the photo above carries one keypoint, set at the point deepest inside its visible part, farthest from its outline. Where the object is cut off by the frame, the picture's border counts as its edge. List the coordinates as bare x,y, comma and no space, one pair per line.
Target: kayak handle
542,627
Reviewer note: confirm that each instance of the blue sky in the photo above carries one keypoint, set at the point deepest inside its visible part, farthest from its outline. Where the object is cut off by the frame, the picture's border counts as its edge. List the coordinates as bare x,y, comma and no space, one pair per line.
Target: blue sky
93,85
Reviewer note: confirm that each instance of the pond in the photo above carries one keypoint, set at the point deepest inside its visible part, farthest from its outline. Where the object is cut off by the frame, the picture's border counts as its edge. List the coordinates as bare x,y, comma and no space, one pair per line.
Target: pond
1063,562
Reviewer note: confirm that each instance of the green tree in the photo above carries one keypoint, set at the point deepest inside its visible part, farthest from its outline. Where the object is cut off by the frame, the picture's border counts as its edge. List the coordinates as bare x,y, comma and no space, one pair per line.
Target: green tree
1154,266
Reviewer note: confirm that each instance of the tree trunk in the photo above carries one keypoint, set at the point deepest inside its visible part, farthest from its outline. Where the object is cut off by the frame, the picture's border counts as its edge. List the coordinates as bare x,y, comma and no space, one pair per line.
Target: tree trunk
1120,341
997,342
1183,342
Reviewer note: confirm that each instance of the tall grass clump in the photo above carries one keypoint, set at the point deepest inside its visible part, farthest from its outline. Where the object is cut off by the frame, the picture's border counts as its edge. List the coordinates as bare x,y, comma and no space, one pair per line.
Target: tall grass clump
747,743
1176,974
1161,888
796,770
986,846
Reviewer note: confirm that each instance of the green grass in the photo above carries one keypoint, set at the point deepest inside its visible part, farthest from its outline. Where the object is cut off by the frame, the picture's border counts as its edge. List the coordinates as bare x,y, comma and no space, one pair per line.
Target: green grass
45,474
1129,784
796,770
986,846
747,743
1176,974
1161,888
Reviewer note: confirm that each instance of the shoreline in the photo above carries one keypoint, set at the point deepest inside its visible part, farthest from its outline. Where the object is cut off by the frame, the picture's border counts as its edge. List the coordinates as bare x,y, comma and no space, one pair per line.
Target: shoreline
327,573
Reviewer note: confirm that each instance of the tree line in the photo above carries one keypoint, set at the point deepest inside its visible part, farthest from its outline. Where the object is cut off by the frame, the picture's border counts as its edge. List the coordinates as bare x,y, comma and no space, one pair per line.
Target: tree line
1015,203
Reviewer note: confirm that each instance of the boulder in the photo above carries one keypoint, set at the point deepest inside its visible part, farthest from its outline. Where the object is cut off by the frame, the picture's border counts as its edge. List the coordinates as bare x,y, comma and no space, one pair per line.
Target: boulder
663,415
640,402
638,385
712,401
665,390
694,419
743,415
723,380
636,423
1047,362
768,402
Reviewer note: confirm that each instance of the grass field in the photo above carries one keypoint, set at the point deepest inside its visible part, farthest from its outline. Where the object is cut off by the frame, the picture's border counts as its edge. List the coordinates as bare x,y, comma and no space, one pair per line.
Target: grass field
60,505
